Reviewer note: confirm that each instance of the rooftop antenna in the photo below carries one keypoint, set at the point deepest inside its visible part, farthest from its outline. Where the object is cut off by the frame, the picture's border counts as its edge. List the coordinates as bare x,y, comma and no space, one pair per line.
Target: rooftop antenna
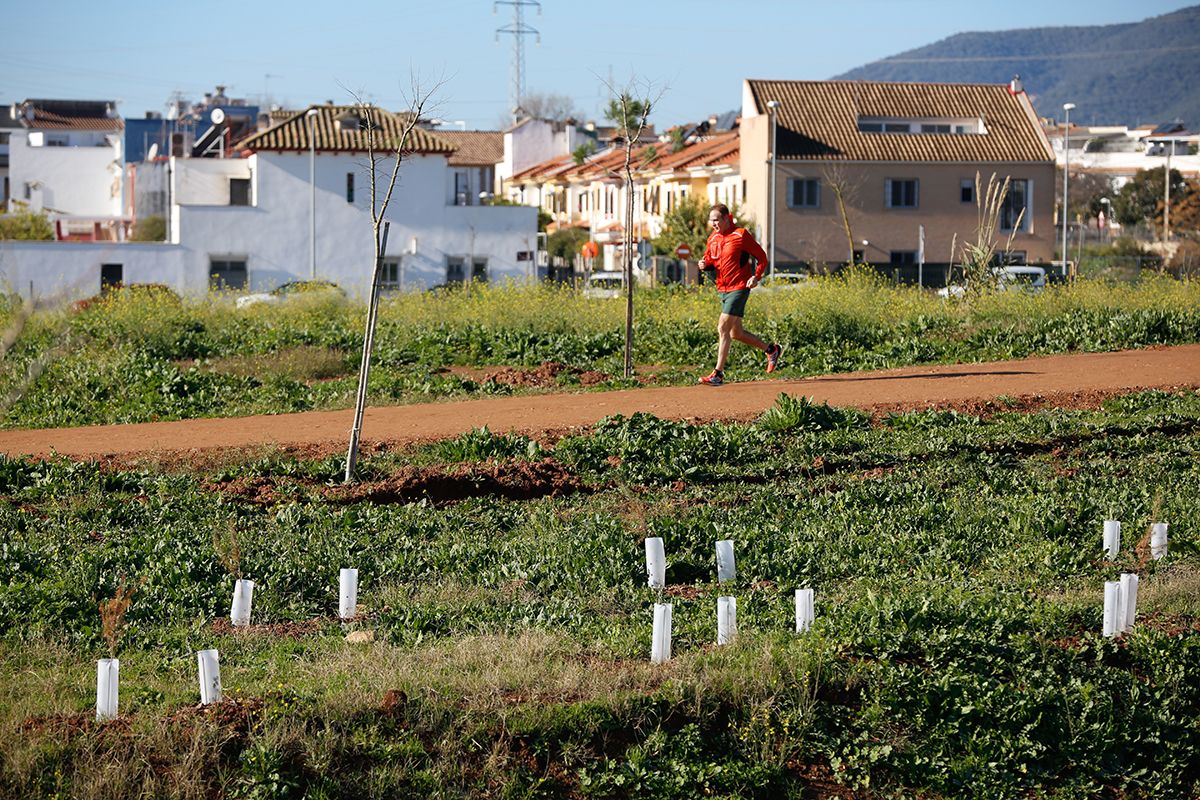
519,30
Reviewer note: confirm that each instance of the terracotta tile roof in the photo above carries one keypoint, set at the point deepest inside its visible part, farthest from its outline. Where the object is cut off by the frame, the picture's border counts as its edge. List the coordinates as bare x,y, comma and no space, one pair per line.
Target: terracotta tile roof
68,115
474,148
819,120
724,148
721,149
333,132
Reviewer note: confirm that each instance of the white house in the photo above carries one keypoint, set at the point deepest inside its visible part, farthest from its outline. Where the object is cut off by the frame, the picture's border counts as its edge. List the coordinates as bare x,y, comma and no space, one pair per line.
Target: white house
248,222
66,157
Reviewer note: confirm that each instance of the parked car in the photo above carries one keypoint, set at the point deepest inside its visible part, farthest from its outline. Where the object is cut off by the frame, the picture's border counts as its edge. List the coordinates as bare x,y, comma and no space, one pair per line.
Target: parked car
604,284
785,280
1013,278
288,290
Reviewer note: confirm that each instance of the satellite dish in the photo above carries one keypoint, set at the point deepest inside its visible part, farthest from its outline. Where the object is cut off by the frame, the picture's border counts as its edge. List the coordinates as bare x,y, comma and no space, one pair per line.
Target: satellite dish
152,153
217,116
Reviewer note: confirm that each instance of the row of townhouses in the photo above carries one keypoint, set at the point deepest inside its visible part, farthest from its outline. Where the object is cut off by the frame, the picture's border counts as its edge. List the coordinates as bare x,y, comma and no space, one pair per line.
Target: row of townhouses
825,171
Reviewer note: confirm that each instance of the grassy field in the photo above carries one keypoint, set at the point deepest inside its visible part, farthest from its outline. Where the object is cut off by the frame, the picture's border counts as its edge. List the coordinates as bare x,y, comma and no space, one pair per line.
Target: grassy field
142,357
956,651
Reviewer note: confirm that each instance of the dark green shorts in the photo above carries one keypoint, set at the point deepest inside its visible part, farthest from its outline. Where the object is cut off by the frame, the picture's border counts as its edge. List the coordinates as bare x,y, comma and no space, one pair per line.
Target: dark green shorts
734,303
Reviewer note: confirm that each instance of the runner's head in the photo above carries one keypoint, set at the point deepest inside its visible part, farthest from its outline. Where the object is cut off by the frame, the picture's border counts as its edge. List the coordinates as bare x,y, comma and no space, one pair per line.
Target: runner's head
719,218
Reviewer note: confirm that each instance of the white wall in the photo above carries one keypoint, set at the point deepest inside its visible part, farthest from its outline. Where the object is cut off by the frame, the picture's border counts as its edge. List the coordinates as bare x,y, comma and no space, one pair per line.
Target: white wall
82,181
71,270
205,181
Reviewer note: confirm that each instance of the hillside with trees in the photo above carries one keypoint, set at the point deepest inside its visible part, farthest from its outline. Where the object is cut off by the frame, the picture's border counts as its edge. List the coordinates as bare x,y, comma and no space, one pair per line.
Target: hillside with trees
1135,73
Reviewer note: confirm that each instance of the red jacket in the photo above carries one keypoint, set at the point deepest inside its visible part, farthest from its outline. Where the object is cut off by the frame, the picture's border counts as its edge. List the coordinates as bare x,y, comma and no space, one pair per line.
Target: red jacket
730,255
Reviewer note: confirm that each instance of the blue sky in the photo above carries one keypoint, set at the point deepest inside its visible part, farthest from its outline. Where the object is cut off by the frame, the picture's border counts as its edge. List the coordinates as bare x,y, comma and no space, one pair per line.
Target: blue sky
302,51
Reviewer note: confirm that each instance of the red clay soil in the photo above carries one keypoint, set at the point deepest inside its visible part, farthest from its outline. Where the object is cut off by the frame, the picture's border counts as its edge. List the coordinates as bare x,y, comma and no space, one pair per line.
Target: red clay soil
1076,380
512,479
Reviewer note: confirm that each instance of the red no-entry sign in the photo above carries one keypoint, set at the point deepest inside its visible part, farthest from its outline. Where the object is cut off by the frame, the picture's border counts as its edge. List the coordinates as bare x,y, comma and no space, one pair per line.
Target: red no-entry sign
683,251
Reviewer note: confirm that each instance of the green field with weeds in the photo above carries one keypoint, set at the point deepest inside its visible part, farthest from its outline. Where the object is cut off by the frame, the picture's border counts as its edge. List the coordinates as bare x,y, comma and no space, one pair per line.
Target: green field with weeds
956,562
146,356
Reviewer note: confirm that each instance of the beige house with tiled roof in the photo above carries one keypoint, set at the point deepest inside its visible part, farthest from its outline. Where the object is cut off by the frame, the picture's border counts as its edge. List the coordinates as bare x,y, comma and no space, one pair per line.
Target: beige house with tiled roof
902,156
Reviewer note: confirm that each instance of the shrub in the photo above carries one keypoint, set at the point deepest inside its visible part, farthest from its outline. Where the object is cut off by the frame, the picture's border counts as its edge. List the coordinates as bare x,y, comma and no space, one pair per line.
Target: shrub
26,225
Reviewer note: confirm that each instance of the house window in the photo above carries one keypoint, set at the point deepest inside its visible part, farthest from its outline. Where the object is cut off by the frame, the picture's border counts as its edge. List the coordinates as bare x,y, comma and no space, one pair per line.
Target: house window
462,194
226,272
111,276
966,190
935,127
901,192
870,127
57,140
349,187
479,270
389,275
239,191
1014,213
455,269
4,137
804,193
896,127
902,258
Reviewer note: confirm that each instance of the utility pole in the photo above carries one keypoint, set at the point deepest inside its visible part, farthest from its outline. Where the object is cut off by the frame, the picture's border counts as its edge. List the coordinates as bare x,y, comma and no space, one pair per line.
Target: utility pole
1167,194
518,30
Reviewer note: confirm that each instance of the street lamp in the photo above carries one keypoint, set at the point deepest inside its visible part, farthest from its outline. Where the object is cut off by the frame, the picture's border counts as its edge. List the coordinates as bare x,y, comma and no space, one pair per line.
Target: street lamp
773,111
1066,171
1107,212
312,195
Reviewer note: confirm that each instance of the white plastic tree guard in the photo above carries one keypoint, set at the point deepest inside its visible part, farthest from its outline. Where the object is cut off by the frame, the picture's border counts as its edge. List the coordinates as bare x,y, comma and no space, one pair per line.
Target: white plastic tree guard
1158,540
1112,538
726,568
243,596
108,673
656,563
347,594
660,642
1112,608
209,662
726,619
1129,588
804,610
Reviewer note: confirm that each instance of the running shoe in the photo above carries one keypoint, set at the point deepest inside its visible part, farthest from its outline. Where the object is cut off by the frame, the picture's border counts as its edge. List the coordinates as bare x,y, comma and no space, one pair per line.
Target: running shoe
773,353
714,378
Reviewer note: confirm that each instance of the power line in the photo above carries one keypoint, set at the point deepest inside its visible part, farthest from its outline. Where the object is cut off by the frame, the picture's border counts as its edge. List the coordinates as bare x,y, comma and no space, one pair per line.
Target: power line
518,30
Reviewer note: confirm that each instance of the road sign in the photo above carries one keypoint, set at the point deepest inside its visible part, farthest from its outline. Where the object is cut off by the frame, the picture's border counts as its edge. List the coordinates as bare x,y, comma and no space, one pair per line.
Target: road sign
683,251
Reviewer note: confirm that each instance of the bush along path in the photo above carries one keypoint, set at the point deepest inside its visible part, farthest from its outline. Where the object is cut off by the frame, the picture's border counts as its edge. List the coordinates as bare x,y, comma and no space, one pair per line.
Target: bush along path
956,650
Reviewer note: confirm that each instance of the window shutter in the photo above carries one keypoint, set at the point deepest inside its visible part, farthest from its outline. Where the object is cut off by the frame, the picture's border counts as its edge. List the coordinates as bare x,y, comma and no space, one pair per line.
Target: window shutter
887,193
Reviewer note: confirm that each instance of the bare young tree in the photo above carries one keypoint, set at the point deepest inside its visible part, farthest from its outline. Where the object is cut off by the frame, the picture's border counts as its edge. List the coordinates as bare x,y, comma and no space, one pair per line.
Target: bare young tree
629,109
386,137
845,190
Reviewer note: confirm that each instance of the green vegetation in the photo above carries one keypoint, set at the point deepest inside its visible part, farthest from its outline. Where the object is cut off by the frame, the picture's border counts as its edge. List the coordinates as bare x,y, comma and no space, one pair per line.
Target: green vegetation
136,356
956,651
150,229
27,225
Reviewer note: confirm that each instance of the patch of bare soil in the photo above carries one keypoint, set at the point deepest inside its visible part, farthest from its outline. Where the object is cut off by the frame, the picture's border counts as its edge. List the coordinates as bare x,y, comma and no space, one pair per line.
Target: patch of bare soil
546,375
986,408
511,479
282,630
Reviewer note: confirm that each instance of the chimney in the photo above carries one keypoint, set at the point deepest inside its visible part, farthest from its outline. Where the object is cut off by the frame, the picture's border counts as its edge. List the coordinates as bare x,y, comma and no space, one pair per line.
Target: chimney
1015,86
712,121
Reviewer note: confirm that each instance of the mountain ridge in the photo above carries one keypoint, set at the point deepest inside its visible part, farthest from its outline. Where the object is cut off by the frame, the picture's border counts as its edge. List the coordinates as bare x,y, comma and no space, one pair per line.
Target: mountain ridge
1125,73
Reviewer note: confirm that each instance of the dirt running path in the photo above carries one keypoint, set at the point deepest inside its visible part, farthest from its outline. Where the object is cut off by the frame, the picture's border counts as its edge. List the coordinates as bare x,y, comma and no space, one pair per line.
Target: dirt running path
1079,379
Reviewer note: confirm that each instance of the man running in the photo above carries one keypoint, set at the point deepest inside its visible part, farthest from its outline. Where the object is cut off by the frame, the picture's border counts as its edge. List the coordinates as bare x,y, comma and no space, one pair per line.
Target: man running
728,251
